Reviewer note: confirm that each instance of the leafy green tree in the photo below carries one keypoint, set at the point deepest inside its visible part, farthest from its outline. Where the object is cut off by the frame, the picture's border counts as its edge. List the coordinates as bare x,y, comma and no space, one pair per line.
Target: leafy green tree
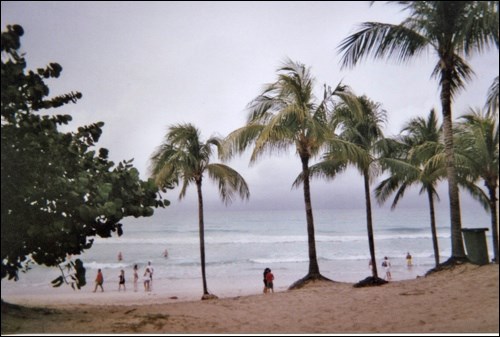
453,30
408,160
57,191
477,149
184,159
286,114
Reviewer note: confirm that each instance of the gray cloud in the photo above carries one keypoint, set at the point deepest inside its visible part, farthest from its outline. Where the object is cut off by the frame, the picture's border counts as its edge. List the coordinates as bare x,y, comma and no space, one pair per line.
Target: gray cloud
144,66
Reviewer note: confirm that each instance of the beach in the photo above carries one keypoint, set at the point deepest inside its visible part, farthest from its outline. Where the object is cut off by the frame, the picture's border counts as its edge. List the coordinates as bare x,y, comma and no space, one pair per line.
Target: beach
464,299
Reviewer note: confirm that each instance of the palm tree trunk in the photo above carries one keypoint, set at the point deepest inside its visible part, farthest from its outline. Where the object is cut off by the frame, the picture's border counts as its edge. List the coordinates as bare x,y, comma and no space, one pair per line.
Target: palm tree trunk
494,221
457,244
313,260
369,224
202,236
433,227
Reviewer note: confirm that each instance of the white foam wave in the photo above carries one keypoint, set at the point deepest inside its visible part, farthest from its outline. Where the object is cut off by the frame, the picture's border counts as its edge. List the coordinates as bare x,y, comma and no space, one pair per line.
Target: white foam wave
263,239
279,260
97,265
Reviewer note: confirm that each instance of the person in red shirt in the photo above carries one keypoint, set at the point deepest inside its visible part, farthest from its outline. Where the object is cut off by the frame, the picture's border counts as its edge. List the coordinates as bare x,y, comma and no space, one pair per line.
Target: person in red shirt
269,281
99,280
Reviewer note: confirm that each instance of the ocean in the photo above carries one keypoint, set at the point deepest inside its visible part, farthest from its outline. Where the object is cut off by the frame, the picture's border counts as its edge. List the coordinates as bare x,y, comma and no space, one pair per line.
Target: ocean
239,245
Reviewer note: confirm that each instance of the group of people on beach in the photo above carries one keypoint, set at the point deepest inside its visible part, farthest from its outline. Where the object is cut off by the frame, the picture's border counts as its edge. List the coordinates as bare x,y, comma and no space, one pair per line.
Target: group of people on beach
268,275
147,279
386,263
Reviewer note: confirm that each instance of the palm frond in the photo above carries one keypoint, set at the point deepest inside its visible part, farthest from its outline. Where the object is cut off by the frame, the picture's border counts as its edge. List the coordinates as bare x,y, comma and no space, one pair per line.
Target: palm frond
476,192
345,151
327,169
492,99
479,26
380,41
185,183
461,73
240,139
229,182
272,140
401,168
387,187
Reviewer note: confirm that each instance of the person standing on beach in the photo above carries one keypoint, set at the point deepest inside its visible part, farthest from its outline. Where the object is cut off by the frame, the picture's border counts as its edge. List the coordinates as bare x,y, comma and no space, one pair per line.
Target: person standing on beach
409,262
150,275
136,276
99,280
267,270
147,279
165,253
120,256
387,266
121,281
269,281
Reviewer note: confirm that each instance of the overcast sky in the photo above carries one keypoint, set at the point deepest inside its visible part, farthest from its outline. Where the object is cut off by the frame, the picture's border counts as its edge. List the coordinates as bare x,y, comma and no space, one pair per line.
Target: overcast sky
142,66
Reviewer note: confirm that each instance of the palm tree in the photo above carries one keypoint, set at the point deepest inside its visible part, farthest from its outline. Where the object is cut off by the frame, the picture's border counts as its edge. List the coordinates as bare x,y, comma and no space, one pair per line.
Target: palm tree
408,162
453,30
477,146
285,114
492,100
182,157
365,131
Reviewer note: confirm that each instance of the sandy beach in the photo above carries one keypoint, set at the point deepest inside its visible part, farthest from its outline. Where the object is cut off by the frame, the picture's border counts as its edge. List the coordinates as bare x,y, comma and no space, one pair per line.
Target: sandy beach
462,300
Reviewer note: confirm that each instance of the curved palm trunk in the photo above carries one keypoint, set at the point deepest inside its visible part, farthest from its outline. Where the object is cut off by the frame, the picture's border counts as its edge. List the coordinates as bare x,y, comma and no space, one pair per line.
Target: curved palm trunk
202,236
313,260
369,224
494,221
433,227
457,244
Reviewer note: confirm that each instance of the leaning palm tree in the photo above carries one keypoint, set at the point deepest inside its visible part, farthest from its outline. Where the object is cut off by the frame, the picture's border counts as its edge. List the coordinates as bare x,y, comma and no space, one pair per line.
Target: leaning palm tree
285,114
183,158
408,161
453,30
365,131
477,146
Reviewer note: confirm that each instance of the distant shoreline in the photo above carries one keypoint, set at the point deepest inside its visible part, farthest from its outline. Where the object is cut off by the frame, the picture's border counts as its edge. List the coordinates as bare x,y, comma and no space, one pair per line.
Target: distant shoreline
462,300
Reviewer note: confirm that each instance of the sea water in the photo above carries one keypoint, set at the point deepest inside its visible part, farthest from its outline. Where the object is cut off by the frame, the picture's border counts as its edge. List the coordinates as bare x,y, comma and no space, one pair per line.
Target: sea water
240,244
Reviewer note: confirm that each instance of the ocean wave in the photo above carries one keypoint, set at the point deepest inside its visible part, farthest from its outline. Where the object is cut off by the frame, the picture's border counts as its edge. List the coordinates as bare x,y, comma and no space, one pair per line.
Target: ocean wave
263,239
279,260
356,257
98,265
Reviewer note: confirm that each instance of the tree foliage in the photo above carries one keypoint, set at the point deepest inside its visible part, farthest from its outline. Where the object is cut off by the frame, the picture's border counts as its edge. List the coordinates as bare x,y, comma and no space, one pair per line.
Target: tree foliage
58,191
287,114
477,146
455,31
183,159
409,159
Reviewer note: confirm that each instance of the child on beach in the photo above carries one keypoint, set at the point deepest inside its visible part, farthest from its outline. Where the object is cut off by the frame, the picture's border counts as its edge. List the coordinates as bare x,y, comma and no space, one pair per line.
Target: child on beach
121,280
99,280
269,281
